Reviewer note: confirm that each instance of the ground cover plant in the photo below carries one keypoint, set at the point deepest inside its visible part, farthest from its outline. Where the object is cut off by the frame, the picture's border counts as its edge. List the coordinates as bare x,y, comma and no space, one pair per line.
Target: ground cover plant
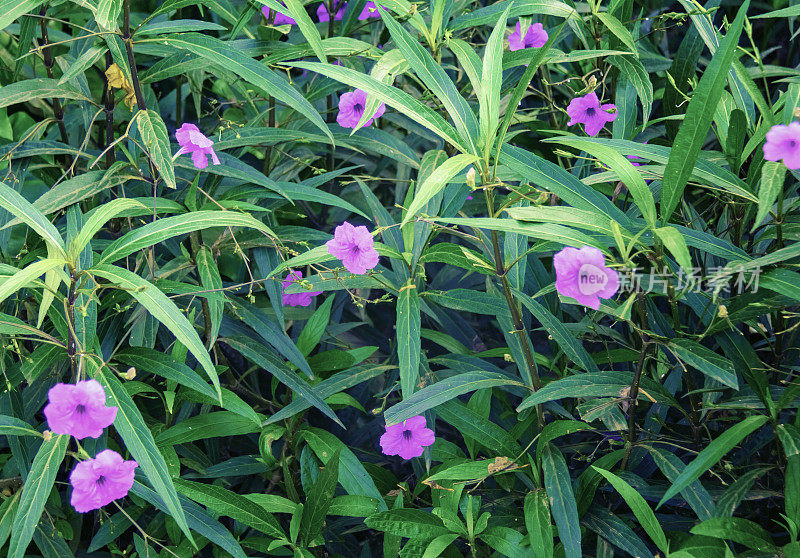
447,278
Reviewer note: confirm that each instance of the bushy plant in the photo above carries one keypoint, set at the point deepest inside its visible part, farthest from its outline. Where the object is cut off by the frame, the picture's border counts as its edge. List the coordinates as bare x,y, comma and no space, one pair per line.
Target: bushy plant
446,278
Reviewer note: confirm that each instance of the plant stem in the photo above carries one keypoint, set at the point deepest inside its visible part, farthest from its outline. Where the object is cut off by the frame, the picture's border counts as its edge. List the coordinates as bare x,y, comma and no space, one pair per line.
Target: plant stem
48,66
633,398
516,317
108,101
72,341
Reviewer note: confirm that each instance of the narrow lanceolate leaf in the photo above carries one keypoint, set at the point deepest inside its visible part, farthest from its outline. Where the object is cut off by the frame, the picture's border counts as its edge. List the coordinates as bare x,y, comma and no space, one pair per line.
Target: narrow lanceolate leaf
437,180
252,71
632,178
98,219
408,337
10,11
35,493
164,310
158,231
12,426
737,529
19,207
24,276
637,504
538,523
225,502
139,441
715,451
436,79
107,13
699,114
319,499
304,23
491,80
258,354
773,173
211,280
445,390
392,96
37,88
621,32
562,500
675,242
156,140
705,360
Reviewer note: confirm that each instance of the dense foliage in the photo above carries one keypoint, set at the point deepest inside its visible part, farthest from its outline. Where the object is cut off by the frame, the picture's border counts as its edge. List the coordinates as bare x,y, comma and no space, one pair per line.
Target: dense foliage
447,278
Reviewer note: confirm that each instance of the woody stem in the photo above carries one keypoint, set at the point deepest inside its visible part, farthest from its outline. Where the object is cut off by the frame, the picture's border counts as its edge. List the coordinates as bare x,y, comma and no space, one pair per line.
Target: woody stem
48,66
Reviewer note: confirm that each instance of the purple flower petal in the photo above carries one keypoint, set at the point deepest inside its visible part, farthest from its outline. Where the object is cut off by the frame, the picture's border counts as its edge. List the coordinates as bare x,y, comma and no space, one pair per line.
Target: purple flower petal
783,142
193,141
78,410
583,275
99,481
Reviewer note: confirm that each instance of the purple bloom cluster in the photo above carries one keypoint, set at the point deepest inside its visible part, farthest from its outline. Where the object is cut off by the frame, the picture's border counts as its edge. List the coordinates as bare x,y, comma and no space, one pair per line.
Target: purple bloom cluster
297,299
534,37
583,275
80,410
783,142
192,140
355,247
407,439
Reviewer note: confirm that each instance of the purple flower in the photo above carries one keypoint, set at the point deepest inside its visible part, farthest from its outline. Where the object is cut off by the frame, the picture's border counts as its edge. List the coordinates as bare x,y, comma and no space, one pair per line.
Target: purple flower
351,109
297,299
783,142
587,111
78,409
280,19
99,481
535,37
370,10
583,275
323,15
354,246
407,438
192,140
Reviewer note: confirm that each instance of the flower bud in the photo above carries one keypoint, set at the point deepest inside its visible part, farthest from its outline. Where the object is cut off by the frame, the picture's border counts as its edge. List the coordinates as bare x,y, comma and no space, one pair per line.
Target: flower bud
131,373
47,435
471,177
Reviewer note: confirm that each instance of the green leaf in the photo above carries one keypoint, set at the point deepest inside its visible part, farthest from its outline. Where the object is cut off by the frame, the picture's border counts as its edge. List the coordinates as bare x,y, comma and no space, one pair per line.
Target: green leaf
537,521
392,96
352,475
440,543
315,328
156,140
19,207
139,441
637,504
713,452
319,499
210,425
24,276
107,13
210,279
37,88
472,425
695,494
676,244
736,529
97,221
12,426
434,183
436,79
705,360
161,230
571,346
613,24
408,337
410,523
258,354
10,11
773,174
164,310
566,186
35,492
789,435
230,504
250,70
84,61
562,500
632,178
699,114
433,395
607,383
304,23
491,83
